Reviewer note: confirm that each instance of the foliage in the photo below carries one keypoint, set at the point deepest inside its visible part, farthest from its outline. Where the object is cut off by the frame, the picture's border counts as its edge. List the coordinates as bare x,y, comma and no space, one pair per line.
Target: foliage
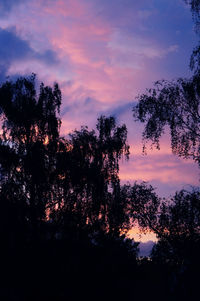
75,181
61,205
195,57
179,228
176,105
87,172
195,9
142,205
28,141
64,213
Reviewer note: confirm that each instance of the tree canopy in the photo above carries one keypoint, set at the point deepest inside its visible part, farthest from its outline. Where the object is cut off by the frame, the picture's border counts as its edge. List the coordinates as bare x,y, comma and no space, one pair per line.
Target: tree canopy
64,211
46,175
175,106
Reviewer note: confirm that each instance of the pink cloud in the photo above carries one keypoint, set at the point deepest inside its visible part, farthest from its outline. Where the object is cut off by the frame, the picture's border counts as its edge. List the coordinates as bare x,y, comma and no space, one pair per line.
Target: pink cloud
160,168
108,63
62,7
102,64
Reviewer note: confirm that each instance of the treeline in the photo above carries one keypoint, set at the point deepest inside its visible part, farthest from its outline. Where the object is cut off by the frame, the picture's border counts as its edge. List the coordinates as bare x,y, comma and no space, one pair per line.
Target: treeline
64,214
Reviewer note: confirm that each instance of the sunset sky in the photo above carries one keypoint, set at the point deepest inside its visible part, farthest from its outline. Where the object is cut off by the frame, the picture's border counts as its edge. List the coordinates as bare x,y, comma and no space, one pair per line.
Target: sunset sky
103,53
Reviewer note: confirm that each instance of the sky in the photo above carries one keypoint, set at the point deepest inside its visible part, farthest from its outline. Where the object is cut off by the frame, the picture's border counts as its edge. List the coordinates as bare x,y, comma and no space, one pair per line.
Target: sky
103,53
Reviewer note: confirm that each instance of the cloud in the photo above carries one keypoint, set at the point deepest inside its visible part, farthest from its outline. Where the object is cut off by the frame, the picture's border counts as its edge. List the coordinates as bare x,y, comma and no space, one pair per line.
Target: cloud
137,48
7,5
80,112
165,171
102,53
99,44
121,13
14,49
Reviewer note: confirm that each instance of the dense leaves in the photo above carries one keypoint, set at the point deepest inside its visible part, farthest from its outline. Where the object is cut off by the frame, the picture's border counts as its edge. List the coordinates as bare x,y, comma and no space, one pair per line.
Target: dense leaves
65,215
179,228
75,178
62,213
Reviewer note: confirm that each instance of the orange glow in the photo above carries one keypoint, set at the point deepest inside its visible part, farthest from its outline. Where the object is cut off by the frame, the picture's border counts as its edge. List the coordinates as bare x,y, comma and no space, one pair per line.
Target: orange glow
136,234
46,141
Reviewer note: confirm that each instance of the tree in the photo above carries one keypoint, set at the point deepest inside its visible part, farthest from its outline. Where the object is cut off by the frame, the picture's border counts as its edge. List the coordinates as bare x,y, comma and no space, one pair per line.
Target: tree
174,105
195,9
178,246
88,169
28,143
75,180
62,207
179,228
195,57
142,206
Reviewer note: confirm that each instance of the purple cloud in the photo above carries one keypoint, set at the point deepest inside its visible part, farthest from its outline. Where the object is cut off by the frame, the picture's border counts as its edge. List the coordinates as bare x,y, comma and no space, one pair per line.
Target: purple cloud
14,49
103,53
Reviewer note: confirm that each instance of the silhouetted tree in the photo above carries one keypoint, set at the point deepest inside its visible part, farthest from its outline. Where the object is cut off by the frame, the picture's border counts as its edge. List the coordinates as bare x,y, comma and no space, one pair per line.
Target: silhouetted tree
195,57
65,213
142,205
178,247
74,182
88,171
174,105
28,143
179,228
